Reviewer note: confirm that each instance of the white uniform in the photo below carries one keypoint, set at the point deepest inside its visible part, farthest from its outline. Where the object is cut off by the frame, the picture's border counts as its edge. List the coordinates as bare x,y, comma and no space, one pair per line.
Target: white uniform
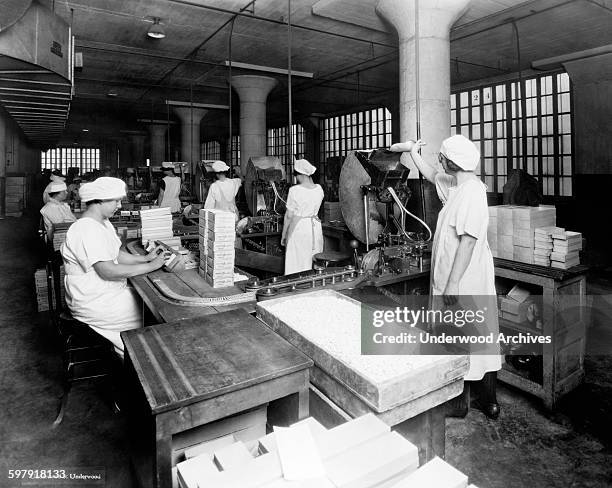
108,307
465,212
171,193
305,235
222,195
54,212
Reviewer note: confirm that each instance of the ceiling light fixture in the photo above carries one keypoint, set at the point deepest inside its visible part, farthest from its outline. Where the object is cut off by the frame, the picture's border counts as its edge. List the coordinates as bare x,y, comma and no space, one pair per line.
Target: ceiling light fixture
156,31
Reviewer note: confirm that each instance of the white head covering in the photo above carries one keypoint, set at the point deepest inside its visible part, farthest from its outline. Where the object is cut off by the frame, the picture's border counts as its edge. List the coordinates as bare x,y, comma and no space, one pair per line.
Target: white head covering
461,151
56,186
219,166
302,166
167,164
57,178
104,188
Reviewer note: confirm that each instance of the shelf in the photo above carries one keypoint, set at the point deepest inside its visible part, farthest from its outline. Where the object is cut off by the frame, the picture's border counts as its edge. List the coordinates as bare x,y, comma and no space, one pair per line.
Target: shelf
519,327
521,382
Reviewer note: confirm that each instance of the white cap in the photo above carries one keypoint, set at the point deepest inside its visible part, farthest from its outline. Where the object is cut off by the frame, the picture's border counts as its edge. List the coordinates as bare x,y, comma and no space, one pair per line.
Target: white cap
56,186
461,151
167,164
219,166
57,178
104,188
302,166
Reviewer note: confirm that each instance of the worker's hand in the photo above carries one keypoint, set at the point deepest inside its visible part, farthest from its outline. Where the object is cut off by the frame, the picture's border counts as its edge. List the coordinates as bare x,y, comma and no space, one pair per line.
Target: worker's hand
153,253
283,241
451,293
159,260
416,147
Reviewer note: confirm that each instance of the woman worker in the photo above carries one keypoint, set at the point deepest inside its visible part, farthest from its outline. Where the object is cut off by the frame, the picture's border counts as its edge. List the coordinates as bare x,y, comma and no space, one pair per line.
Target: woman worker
461,262
56,211
56,176
222,193
170,188
302,232
96,267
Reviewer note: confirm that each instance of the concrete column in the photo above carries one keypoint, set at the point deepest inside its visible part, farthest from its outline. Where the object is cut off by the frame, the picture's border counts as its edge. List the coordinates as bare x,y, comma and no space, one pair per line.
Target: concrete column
136,140
592,89
190,133
435,19
157,133
253,92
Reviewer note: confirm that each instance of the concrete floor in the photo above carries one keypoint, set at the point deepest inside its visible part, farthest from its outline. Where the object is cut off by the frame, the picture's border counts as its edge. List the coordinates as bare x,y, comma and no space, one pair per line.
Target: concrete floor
526,447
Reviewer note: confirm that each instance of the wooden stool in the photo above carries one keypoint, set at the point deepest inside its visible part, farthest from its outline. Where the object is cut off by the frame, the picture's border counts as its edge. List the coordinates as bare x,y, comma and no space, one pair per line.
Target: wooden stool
333,258
87,356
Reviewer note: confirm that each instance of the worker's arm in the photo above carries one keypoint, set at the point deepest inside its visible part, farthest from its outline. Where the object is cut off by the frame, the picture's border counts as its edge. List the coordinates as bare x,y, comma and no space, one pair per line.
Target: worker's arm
108,270
428,171
127,258
160,197
286,224
209,203
460,264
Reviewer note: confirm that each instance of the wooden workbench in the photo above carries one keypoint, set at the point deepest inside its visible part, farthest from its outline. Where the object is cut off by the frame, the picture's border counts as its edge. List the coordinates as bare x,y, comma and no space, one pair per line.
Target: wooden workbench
186,283
196,371
562,300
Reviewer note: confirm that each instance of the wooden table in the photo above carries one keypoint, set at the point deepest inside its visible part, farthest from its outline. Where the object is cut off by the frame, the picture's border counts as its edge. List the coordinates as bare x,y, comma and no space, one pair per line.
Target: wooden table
197,371
564,317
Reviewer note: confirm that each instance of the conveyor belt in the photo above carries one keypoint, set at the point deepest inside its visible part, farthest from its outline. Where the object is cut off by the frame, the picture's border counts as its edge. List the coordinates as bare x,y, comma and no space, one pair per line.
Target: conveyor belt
167,292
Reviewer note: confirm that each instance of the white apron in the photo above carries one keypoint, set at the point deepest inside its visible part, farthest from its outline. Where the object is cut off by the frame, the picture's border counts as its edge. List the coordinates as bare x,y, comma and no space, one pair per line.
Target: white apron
108,307
465,211
171,193
305,234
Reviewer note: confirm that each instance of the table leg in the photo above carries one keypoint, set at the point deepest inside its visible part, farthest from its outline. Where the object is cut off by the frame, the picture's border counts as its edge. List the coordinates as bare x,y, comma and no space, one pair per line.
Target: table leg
427,431
288,410
163,456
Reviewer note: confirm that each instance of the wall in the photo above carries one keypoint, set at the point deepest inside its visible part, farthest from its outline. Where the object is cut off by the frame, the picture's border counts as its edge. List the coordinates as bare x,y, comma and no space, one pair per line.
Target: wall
17,156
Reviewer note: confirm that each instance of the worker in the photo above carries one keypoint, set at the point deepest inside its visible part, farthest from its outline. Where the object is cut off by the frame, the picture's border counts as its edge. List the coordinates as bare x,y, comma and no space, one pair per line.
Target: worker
96,268
56,211
73,192
461,262
56,175
302,232
169,189
222,192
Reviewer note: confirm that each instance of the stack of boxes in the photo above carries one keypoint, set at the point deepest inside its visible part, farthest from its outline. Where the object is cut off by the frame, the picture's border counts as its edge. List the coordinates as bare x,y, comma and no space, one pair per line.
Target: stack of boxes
525,221
516,305
42,296
217,252
156,225
511,231
566,249
543,245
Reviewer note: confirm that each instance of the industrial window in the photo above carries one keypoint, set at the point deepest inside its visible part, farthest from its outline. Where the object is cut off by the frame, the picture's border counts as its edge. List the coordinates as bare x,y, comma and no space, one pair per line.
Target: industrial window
235,155
532,132
211,150
369,129
278,145
85,158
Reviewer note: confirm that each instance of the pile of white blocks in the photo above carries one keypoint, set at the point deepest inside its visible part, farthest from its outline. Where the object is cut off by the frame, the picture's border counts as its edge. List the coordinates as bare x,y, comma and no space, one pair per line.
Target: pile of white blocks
361,453
511,231
217,251
156,224
566,249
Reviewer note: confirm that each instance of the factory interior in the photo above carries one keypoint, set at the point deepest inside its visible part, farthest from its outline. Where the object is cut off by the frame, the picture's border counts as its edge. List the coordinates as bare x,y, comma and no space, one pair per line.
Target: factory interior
217,215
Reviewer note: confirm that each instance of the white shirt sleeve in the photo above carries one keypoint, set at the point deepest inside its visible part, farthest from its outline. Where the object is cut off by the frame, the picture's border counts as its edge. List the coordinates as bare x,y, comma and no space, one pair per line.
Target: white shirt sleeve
443,183
211,197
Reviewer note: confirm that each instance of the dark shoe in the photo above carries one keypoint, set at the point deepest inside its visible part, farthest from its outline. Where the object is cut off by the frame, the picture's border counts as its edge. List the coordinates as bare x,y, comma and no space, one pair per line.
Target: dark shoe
491,410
